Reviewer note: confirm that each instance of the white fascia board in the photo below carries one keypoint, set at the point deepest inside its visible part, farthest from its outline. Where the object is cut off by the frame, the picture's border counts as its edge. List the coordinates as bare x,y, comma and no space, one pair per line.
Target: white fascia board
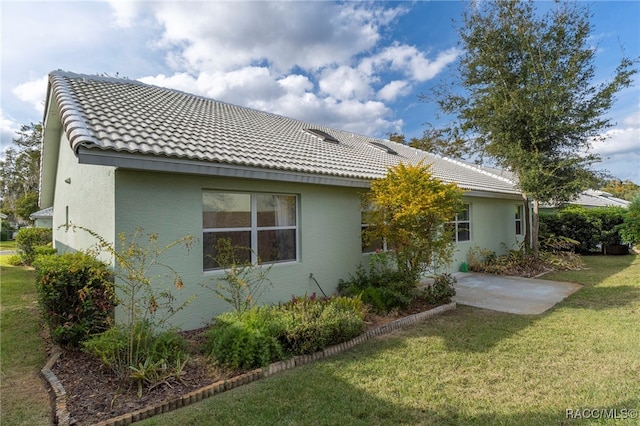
489,194
158,163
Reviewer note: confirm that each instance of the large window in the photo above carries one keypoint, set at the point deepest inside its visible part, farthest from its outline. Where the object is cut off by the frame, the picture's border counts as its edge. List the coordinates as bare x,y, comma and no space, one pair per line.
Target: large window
461,225
519,215
262,226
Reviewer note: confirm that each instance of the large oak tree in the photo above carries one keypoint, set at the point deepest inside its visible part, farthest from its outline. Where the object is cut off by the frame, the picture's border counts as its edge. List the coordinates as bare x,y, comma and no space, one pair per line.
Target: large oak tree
525,95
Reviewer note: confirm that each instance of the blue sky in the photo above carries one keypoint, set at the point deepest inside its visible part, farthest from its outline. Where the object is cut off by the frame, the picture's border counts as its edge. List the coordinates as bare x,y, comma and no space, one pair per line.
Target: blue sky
352,65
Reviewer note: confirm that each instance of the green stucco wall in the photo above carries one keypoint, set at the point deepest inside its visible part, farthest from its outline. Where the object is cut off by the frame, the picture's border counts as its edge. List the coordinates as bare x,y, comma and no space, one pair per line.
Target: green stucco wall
171,206
492,227
84,196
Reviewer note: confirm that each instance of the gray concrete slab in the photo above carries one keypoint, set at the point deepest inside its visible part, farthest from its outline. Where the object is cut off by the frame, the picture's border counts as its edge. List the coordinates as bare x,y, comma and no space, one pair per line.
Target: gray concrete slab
515,295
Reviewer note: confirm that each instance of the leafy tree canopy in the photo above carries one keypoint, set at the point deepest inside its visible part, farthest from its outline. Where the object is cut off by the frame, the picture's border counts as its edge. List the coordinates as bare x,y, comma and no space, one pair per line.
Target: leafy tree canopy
626,190
525,97
20,173
528,97
408,209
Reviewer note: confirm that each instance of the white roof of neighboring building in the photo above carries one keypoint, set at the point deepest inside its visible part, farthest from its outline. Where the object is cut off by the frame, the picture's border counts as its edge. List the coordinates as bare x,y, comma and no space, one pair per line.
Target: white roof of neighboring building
126,123
42,214
594,198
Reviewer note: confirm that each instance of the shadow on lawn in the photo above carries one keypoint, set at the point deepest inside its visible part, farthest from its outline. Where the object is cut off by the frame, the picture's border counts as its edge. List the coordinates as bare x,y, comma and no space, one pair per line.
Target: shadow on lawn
308,402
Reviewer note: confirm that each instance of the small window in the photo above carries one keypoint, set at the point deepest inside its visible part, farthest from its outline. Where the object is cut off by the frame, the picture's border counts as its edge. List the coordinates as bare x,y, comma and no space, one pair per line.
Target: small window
519,215
460,226
262,226
322,135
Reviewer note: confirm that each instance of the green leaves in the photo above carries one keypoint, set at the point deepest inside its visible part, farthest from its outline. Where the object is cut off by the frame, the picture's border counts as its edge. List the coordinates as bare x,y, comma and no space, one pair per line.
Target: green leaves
409,208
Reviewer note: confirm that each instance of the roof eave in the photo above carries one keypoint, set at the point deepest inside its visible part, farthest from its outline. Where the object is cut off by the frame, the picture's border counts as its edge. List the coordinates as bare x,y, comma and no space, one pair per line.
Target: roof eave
157,163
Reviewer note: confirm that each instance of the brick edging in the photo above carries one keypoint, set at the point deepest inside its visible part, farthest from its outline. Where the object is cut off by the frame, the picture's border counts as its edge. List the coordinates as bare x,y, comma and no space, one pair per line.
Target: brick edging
63,417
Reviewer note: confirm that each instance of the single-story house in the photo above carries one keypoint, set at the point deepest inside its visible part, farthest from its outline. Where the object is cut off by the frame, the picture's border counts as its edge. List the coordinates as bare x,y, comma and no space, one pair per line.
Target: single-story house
591,198
596,198
43,218
119,154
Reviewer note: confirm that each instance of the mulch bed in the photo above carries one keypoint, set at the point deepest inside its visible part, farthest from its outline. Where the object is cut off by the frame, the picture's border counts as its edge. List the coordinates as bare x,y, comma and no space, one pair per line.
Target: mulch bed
94,395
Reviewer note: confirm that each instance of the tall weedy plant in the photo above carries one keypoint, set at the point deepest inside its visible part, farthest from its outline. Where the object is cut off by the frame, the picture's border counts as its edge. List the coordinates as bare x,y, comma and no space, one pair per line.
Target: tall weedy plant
140,339
243,282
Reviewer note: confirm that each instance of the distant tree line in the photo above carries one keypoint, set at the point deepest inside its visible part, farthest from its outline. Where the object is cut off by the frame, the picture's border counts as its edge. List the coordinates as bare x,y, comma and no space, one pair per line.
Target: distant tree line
20,174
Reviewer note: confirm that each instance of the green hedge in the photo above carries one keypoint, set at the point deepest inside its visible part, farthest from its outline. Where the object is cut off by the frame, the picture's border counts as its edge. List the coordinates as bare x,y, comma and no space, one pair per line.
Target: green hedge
593,228
29,239
76,296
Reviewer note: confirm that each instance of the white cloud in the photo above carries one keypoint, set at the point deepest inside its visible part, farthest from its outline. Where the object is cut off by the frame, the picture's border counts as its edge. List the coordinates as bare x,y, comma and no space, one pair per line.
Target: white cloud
212,36
621,141
8,128
296,84
124,12
394,89
34,92
410,61
345,83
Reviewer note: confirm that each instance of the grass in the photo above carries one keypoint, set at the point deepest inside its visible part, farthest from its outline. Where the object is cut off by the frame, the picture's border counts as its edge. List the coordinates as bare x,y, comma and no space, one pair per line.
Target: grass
22,353
8,245
469,366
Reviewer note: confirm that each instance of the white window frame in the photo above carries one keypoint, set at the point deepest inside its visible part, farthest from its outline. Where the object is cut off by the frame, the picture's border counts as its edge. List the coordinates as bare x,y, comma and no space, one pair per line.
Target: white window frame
456,223
519,219
253,229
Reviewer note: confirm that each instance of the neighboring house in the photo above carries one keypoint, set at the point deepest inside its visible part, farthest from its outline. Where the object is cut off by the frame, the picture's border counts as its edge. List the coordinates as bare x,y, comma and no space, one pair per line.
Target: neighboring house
43,218
119,154
593,198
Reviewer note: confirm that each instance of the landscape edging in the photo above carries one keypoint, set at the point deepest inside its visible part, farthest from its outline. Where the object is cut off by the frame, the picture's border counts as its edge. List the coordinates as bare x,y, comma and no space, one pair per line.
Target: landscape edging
63,417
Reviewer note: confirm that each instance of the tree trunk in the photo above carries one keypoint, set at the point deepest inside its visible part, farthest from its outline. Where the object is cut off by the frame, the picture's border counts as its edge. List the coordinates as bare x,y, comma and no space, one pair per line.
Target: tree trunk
535,244
527,223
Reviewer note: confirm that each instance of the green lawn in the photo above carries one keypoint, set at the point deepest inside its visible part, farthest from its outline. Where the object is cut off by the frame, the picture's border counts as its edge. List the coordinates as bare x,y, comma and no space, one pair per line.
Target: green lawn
8,245
22,354
469,366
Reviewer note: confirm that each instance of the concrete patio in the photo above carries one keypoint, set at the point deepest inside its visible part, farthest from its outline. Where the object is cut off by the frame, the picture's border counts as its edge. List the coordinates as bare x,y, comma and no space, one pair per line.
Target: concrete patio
515,295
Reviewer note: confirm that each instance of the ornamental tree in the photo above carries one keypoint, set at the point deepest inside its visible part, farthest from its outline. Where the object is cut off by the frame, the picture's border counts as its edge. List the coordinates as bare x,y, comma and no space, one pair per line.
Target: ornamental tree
409,210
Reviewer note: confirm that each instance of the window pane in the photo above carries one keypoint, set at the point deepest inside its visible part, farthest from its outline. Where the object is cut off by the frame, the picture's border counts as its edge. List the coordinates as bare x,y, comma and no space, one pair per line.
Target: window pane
276,210
518,212
464,231
224,210
369,246
277,245
464,215
239,239
518,227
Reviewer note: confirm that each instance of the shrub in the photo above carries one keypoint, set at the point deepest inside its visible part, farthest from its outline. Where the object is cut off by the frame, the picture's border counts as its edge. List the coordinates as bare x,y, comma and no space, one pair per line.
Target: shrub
441,290
309,324
243,282
382,287
150,358
265,334
630,230
594,229
28,239
76,296
243,342
140,275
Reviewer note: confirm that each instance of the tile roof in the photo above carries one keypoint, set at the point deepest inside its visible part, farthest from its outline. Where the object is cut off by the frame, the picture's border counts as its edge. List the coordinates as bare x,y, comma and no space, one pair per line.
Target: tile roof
127,116
42,214
593,198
